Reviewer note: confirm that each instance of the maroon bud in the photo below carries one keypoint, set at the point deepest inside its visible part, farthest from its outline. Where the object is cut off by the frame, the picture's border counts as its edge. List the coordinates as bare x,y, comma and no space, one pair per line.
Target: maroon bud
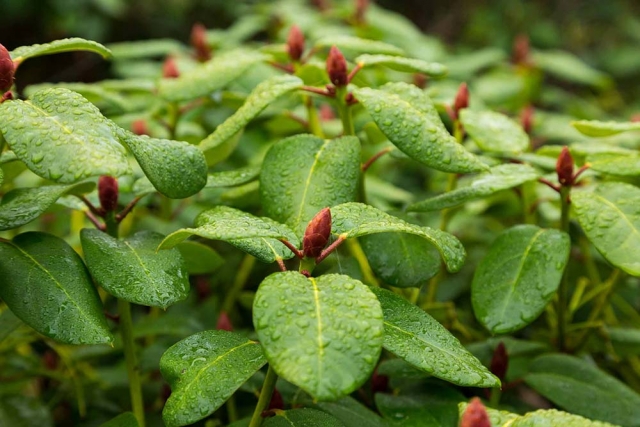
165,392
462,99
420,80
7,69
520,50
224,323
108,193
500,361
350,99
361,10
475,415
170,68
276,401
526,119
337,67
6,96
139,127
317,234
326,113
295,43
564,167
203,287
199,42
379,383
50,360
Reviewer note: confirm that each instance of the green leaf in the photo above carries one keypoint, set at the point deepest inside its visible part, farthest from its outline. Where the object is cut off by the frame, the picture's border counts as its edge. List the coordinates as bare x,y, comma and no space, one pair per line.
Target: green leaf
407,116
496,417
578,387
233,177
209,77
400,259
419,410
126,419
204,370
322,334
259,99
597,128
615,164
303,417
610,219
176,169
352,413
257,236
407,65
499,178
518,277
303,174
351,44
555,418
145,49
569,67
46,285
199,258
494,132
22,205
23,411
357,219
625,341
413,335
59,46
9,322
62,137
131,269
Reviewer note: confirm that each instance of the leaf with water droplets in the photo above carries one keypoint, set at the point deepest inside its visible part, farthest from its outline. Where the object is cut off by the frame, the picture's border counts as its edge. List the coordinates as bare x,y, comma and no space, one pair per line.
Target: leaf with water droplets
131,269
204,370
411,334
199,258
304,174
62,137
615,164
518,277
210,76
552,418
499,178
233,177
407,116
302,417
45,284
264,94
580,387
355,45
126,419
249,233
494,132
597,128
357,219
610,219
351,412
322,334
407,65
58,46
439,408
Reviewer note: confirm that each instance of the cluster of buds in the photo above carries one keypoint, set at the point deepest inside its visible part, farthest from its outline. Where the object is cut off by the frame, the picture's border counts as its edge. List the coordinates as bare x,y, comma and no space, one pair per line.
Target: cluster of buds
7,70
199,42
475,415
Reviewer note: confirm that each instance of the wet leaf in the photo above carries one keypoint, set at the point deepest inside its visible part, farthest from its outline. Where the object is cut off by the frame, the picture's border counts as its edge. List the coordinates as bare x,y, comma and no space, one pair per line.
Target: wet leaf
352,413
126,419
58,46
199,258
615,164
494,132
419,410
597,128
407,65
303,417
552,418
233,177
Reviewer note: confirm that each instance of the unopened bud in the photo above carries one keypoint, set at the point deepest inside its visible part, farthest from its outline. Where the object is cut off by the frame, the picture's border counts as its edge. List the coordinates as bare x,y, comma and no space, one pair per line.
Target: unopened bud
420,80
170,68
7,69
564,167
321,5
379,383
276,400
317,234
475,415
361,11
108,193
526,119
520,50
199,42
337,67
462,99
139,127
295,43
499,361
224,322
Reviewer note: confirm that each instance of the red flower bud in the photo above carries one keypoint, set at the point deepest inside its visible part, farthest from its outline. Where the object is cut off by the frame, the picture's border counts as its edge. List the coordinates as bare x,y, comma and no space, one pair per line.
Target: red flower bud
379,383
139,127
564,167
224,323
475,415
199,42
337,67
520,50
420,80
276,400
462,99
7,68
526,119
317,234
500,361
170,68
295,43
108,193
361,10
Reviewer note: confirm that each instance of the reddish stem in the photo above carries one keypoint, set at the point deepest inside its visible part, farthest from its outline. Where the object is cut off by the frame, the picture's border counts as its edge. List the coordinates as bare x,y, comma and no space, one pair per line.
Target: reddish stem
366,165
549,184
281,264
353,72
123,213
292,248
325,253
318,91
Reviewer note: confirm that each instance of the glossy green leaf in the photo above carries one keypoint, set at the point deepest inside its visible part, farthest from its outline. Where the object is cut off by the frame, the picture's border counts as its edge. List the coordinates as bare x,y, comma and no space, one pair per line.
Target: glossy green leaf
569,67
131,269
610,219
264,94
411,334
400,259
494,132
175,168
303,417
199,258
62,137
46,285
126,419
499,178
615,164
209,77
418,410
303,174
24,411
555,418
407,116
356,45
357,219
518,277
496,417
597,128
257,236
233,177
578,387
58,46
22,205
204,370
352,413
145,49
407,65
322,334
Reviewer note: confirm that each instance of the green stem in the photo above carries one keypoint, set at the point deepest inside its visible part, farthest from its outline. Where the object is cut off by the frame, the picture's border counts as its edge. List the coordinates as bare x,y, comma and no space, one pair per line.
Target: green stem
265,397
345,112
244,270
312,117
527,191
307,264
564,284
367,273
494,400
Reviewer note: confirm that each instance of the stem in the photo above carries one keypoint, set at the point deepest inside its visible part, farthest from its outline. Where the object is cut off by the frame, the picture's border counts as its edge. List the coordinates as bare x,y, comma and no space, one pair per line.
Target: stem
367,273
345,112
244,270
312,117
527,203
265,397
564,284
494,400
366,165
307,264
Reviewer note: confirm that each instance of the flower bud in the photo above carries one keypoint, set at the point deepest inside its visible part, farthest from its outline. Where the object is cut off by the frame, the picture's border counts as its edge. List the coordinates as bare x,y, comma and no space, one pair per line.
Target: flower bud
475,415
139,127
7,68
361,11
321,5
199,42
420,80
224,322
526,119
337,67
295,43
108,193
276,401
317,234
170,68
500,361
462,99
564,167
379,383
520,50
